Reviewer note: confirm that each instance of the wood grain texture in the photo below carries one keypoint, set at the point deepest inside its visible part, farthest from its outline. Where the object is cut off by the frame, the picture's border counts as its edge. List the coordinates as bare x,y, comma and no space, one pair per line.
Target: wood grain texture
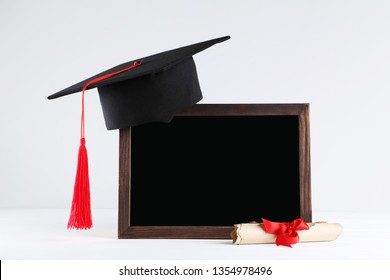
126,230
124,181
304,164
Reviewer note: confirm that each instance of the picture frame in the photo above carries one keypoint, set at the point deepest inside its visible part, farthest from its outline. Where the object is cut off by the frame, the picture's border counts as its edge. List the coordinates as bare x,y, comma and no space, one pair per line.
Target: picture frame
302,193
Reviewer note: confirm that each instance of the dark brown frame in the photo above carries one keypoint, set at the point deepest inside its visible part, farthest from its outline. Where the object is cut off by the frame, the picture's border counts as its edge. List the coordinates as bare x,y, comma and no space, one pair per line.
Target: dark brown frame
125,230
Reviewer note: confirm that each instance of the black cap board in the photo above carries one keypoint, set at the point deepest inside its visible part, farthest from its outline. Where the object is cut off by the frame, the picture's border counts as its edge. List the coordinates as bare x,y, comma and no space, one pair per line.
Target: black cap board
154,91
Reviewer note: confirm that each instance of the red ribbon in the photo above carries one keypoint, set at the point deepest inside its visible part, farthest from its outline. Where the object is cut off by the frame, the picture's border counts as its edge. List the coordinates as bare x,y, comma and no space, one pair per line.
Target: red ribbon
286,232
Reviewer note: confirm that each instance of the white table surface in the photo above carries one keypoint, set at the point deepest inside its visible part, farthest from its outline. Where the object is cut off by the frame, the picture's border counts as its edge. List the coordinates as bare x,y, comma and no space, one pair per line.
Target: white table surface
42,234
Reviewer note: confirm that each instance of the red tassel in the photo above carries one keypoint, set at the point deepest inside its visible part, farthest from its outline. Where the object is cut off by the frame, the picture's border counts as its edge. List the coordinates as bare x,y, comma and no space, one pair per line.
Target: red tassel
80,215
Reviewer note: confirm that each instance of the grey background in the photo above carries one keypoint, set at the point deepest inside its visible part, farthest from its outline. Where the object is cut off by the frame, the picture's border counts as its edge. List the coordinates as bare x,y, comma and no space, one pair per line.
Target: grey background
331,54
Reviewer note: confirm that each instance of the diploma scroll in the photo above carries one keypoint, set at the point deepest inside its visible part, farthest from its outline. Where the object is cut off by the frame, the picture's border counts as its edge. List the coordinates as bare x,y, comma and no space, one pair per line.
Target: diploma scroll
254,233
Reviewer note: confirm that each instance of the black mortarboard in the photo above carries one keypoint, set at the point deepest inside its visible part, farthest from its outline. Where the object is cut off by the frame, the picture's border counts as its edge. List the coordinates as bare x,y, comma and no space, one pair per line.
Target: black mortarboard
149,89
163,85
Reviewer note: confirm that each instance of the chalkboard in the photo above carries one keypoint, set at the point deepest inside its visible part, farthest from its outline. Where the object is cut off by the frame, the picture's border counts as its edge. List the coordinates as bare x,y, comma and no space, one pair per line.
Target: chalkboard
213,166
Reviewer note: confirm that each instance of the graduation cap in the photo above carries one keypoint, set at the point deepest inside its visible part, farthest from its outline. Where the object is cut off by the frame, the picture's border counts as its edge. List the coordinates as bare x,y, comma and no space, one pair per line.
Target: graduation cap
150,89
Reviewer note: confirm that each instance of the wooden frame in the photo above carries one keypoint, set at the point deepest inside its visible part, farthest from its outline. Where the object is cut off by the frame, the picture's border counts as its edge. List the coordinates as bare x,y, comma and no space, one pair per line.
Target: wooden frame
126,230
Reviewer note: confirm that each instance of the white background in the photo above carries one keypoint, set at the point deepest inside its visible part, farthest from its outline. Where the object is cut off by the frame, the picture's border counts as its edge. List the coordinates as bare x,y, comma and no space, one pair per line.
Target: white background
332,54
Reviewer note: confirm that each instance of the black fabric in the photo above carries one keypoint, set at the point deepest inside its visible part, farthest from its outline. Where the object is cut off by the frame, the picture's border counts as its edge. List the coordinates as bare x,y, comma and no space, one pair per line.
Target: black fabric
151,64
151,98
163,85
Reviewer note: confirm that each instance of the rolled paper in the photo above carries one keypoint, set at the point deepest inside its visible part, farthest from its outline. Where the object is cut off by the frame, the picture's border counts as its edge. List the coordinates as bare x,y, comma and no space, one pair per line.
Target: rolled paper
254,233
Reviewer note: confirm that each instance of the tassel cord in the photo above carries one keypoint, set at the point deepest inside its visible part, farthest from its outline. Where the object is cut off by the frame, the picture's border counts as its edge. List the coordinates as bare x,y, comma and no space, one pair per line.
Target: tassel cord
80,215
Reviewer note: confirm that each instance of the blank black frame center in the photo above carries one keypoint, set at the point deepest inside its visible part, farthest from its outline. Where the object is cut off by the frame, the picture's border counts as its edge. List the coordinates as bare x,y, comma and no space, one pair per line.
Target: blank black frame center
212,166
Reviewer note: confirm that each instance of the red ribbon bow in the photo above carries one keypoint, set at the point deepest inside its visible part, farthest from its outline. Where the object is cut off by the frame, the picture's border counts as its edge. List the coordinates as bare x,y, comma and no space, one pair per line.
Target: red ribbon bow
286,232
